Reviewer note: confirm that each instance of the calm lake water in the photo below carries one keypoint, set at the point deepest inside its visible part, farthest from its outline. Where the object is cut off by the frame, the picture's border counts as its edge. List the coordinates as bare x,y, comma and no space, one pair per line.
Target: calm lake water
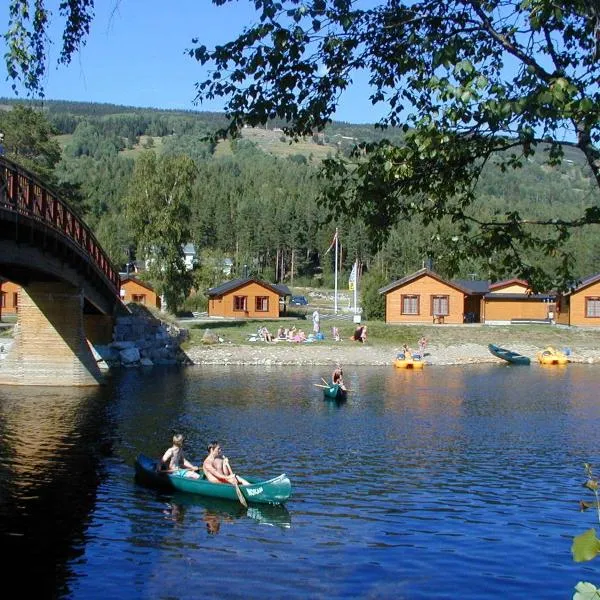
445,483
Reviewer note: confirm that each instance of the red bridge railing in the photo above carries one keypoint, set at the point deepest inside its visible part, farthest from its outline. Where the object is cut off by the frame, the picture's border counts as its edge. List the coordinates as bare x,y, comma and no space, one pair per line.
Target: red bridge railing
22,193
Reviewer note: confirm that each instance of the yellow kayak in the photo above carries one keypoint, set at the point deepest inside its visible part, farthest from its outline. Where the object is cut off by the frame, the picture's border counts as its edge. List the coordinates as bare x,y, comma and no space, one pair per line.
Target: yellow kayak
408,362
550,356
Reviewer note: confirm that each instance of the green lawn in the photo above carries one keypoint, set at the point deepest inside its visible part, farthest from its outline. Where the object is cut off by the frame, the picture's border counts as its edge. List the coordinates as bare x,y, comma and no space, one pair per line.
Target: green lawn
382,334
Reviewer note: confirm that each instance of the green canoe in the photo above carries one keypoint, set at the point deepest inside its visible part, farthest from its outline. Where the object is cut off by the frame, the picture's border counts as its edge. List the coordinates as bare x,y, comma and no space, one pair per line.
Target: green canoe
335,392
271,491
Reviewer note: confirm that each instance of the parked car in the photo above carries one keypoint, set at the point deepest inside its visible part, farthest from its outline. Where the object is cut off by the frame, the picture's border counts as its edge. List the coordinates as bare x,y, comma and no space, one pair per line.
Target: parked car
299,301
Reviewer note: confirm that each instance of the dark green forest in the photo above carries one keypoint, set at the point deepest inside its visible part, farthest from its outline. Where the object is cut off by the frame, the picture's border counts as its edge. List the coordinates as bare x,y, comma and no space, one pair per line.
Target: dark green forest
255,199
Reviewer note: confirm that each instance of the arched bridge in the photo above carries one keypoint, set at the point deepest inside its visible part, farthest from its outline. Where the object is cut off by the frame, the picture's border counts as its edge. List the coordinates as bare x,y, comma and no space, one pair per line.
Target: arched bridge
65,274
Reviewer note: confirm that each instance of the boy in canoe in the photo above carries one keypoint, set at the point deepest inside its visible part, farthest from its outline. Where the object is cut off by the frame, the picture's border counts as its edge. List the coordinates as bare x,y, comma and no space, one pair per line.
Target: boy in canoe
217,469
175,461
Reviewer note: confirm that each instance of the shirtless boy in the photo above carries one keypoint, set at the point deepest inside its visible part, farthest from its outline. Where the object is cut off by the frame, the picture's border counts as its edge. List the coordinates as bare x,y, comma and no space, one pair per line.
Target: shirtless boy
217,469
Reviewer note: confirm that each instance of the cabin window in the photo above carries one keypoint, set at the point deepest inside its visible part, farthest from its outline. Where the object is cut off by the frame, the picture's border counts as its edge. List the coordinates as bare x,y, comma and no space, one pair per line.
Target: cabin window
3,300
15,299
240,303
410,305
139,298
440,306
262,303
592,307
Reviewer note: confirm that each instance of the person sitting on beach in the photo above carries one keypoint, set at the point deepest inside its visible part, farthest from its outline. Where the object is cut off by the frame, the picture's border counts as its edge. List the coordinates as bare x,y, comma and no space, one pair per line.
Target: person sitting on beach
291,333
360,334
266,335
217,469
281,334
174,461
300,336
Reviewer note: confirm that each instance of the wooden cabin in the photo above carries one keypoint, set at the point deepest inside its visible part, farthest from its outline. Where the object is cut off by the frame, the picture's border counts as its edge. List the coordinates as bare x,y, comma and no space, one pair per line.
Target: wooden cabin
247,298
9,298
135,290
581,306
511,301
424,297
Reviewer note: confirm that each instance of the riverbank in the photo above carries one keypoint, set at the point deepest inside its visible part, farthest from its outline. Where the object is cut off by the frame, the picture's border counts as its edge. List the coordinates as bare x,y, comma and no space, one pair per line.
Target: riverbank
349,353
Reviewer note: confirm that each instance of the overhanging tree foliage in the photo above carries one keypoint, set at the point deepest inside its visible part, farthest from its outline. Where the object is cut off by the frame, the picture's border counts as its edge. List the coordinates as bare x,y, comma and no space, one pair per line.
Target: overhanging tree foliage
469,82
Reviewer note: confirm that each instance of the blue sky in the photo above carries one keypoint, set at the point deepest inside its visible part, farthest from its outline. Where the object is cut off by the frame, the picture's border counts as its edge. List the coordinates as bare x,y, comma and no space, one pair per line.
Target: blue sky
135,55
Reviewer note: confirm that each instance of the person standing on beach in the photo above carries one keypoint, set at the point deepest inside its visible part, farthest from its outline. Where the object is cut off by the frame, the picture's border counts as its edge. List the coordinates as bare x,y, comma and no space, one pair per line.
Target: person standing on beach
316,322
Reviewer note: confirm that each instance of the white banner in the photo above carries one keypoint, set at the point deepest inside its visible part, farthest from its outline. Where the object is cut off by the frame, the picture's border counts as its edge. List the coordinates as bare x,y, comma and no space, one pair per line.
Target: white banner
352,278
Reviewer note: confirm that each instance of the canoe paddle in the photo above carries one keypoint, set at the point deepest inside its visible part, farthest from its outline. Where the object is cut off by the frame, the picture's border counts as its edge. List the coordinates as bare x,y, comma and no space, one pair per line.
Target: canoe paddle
321,386
324,381
239,493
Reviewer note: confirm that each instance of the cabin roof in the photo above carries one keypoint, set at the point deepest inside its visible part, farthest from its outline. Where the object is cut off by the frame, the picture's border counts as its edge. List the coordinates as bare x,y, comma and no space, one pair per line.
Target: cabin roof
517,296
584,283
235,284
126,278
476,286
420,273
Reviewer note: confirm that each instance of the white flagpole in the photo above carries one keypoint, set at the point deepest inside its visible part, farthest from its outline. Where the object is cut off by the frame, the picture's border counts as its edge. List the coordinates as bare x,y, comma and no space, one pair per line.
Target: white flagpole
355,282
335,297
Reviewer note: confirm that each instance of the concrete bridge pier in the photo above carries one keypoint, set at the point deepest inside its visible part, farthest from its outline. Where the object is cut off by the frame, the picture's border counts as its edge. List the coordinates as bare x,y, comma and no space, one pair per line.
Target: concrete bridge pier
50,346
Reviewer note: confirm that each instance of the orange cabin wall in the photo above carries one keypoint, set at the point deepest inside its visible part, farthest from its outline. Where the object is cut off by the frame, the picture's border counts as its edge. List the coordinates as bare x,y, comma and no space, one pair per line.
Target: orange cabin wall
425,287
505,309
133,288
9,292
577,308
514,288
563,312
222,306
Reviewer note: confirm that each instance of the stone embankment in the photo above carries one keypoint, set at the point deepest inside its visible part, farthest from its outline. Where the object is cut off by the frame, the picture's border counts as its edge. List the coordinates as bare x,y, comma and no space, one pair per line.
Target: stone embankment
145,341
142,340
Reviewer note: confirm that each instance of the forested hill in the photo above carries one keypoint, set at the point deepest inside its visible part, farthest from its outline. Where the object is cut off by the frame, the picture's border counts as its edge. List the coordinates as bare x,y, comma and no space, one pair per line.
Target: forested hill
255,199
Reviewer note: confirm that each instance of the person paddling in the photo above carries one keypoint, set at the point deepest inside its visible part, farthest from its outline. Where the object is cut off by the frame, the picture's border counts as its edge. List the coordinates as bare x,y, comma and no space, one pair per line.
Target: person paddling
217,469
337,377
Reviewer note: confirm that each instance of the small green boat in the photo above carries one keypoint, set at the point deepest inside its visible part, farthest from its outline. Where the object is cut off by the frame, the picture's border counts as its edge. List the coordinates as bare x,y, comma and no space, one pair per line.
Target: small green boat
271,491
335,392
508,355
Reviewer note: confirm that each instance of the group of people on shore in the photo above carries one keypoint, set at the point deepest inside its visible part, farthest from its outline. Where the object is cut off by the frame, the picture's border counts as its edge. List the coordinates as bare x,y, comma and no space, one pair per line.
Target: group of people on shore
422,344
216,467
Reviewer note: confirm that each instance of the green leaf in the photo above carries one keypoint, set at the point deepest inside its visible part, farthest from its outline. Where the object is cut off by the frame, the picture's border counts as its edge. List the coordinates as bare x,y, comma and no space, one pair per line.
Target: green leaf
585,546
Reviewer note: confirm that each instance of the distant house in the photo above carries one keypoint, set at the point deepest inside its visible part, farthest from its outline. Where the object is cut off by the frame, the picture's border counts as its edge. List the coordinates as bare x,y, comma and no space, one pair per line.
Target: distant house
134,290
9,297
424,297
227,266
189,256
581,306
189,259
247,298
511,301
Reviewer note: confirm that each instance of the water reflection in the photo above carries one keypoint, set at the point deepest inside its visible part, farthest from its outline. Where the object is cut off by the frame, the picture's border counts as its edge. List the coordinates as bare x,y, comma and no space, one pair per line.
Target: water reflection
52,441
217,511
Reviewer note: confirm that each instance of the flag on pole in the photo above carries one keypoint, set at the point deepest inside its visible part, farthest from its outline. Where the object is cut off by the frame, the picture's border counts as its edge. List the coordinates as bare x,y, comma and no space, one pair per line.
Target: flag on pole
332,241
352,278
